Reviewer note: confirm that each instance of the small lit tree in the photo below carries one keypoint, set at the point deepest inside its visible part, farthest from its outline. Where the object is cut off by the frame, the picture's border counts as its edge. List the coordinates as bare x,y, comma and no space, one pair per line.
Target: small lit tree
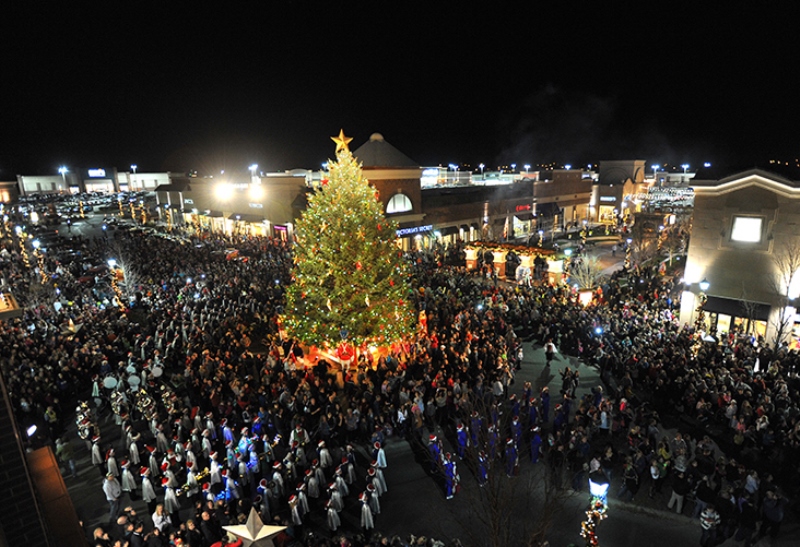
588,273
787,268
351,281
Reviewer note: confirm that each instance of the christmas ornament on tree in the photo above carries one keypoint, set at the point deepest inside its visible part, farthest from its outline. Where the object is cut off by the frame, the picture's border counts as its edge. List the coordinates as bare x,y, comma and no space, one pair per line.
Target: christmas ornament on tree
345,252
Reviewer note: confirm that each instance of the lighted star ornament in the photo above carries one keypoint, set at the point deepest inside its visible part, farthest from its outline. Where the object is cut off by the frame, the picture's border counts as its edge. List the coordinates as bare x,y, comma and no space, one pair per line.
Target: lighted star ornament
341,141
254,532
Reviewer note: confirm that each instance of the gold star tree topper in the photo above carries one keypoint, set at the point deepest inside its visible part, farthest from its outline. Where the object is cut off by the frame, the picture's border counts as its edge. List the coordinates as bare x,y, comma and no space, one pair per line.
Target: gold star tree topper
254,532
342,141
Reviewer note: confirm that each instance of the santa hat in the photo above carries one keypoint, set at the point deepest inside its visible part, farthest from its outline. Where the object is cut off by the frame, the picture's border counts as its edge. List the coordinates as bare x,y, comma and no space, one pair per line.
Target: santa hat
474,413
228,443
244,431
224,472
321,444
213,455
189,464
332,486
371,487
339,470
301,487
109,453
308,472
295,444
460,427
377,445
144,471
516,418
96,438
447,455
150,449
164,466
164,481
223,422
374,463
344,459
276,465
432,438
292,498
371,471
124,463
315,462
206,487
363,496
257,499
512,397
536,429
262,483
509,441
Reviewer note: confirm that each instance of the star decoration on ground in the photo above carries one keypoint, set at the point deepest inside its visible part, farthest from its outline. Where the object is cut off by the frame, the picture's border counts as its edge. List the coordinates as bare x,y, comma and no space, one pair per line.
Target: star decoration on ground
254,532
342,141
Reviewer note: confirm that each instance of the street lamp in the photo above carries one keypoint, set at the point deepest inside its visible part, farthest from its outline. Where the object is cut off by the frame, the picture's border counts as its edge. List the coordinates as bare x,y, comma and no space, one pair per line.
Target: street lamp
513,167
702,298
655,172
568,167
132,183
481,166
63,171
527,167
253,169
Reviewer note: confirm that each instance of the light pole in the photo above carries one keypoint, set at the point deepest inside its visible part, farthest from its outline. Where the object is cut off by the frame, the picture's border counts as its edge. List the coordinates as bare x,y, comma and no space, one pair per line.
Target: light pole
527,168
628,253
481,166
133,184
655,173
685,168
702,298
253,169
513,167
63,171
454,167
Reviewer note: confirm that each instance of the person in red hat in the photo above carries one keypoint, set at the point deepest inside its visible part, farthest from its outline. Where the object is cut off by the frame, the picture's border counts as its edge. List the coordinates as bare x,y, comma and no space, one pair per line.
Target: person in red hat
97,456
332,517
380,455
435,450
367,523
128,482
325,459
148,492
374,502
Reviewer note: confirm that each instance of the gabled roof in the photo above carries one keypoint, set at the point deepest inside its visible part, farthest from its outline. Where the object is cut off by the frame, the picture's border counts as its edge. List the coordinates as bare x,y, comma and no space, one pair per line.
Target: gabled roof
751,177
376,152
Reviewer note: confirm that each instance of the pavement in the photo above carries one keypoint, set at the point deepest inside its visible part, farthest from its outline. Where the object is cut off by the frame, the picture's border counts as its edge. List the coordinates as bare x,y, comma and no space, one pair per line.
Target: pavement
415,503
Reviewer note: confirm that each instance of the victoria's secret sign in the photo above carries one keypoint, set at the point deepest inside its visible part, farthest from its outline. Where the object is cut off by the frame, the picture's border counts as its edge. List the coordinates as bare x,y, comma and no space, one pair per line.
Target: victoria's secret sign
523,208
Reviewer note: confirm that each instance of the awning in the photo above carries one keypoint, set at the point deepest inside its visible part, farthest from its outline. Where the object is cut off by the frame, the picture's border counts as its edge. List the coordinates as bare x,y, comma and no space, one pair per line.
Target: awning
549,209
475,226
448,230
738,308
464,227
524,216
215,214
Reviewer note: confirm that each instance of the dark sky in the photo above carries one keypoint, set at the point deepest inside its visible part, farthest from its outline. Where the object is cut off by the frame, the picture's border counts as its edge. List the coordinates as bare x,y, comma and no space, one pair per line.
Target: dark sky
172,88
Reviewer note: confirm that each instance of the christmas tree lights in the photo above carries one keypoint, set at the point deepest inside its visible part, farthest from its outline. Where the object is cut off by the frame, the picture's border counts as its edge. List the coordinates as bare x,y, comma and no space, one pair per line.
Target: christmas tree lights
350,280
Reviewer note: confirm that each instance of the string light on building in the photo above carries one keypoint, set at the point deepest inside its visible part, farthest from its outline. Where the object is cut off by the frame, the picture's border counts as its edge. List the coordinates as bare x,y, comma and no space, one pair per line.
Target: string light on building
116,274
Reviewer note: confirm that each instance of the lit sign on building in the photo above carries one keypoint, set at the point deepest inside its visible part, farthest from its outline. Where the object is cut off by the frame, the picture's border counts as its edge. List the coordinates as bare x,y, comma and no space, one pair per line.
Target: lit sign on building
256,205
415,230
188,201
523,208
97,172
608,198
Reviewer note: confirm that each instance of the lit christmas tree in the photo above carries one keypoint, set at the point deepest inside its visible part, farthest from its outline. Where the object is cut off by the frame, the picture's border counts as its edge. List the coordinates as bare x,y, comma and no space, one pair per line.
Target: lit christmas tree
351,282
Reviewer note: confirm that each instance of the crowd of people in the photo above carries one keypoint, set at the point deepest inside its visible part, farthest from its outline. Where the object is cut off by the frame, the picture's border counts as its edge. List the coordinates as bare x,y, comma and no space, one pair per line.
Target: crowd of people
241,423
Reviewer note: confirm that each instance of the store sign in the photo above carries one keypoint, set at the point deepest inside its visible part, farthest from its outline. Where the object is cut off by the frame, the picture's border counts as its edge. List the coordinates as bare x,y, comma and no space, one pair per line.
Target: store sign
608,198
523,208
415,230
188,201
97,173
256,205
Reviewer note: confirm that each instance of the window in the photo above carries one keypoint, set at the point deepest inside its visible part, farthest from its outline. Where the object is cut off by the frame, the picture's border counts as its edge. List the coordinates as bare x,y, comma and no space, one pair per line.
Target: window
746,229
398,204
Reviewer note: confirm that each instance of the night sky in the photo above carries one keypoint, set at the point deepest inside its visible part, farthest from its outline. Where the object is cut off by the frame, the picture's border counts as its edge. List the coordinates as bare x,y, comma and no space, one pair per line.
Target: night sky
178,88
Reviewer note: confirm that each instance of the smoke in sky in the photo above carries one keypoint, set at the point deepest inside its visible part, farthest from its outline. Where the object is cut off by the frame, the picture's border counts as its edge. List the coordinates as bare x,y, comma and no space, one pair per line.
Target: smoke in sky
579,127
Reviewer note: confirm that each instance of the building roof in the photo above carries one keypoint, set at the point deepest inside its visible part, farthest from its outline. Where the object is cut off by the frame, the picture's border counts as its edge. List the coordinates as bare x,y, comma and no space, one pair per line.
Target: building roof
776,171
376,152
703,183
174,186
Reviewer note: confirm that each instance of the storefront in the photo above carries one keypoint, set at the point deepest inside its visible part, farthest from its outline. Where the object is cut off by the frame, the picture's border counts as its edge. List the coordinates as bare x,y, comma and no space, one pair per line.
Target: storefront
726,315
99,180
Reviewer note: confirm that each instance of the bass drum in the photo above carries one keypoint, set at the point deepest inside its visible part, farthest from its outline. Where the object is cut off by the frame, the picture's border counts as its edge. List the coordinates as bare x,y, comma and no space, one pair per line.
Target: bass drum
110,382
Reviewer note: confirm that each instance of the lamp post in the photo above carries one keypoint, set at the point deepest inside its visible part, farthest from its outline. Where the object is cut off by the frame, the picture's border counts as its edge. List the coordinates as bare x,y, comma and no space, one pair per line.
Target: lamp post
655,173
481,166
685,167
63,171
132,185
628,253
702,298
253,169
527,167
